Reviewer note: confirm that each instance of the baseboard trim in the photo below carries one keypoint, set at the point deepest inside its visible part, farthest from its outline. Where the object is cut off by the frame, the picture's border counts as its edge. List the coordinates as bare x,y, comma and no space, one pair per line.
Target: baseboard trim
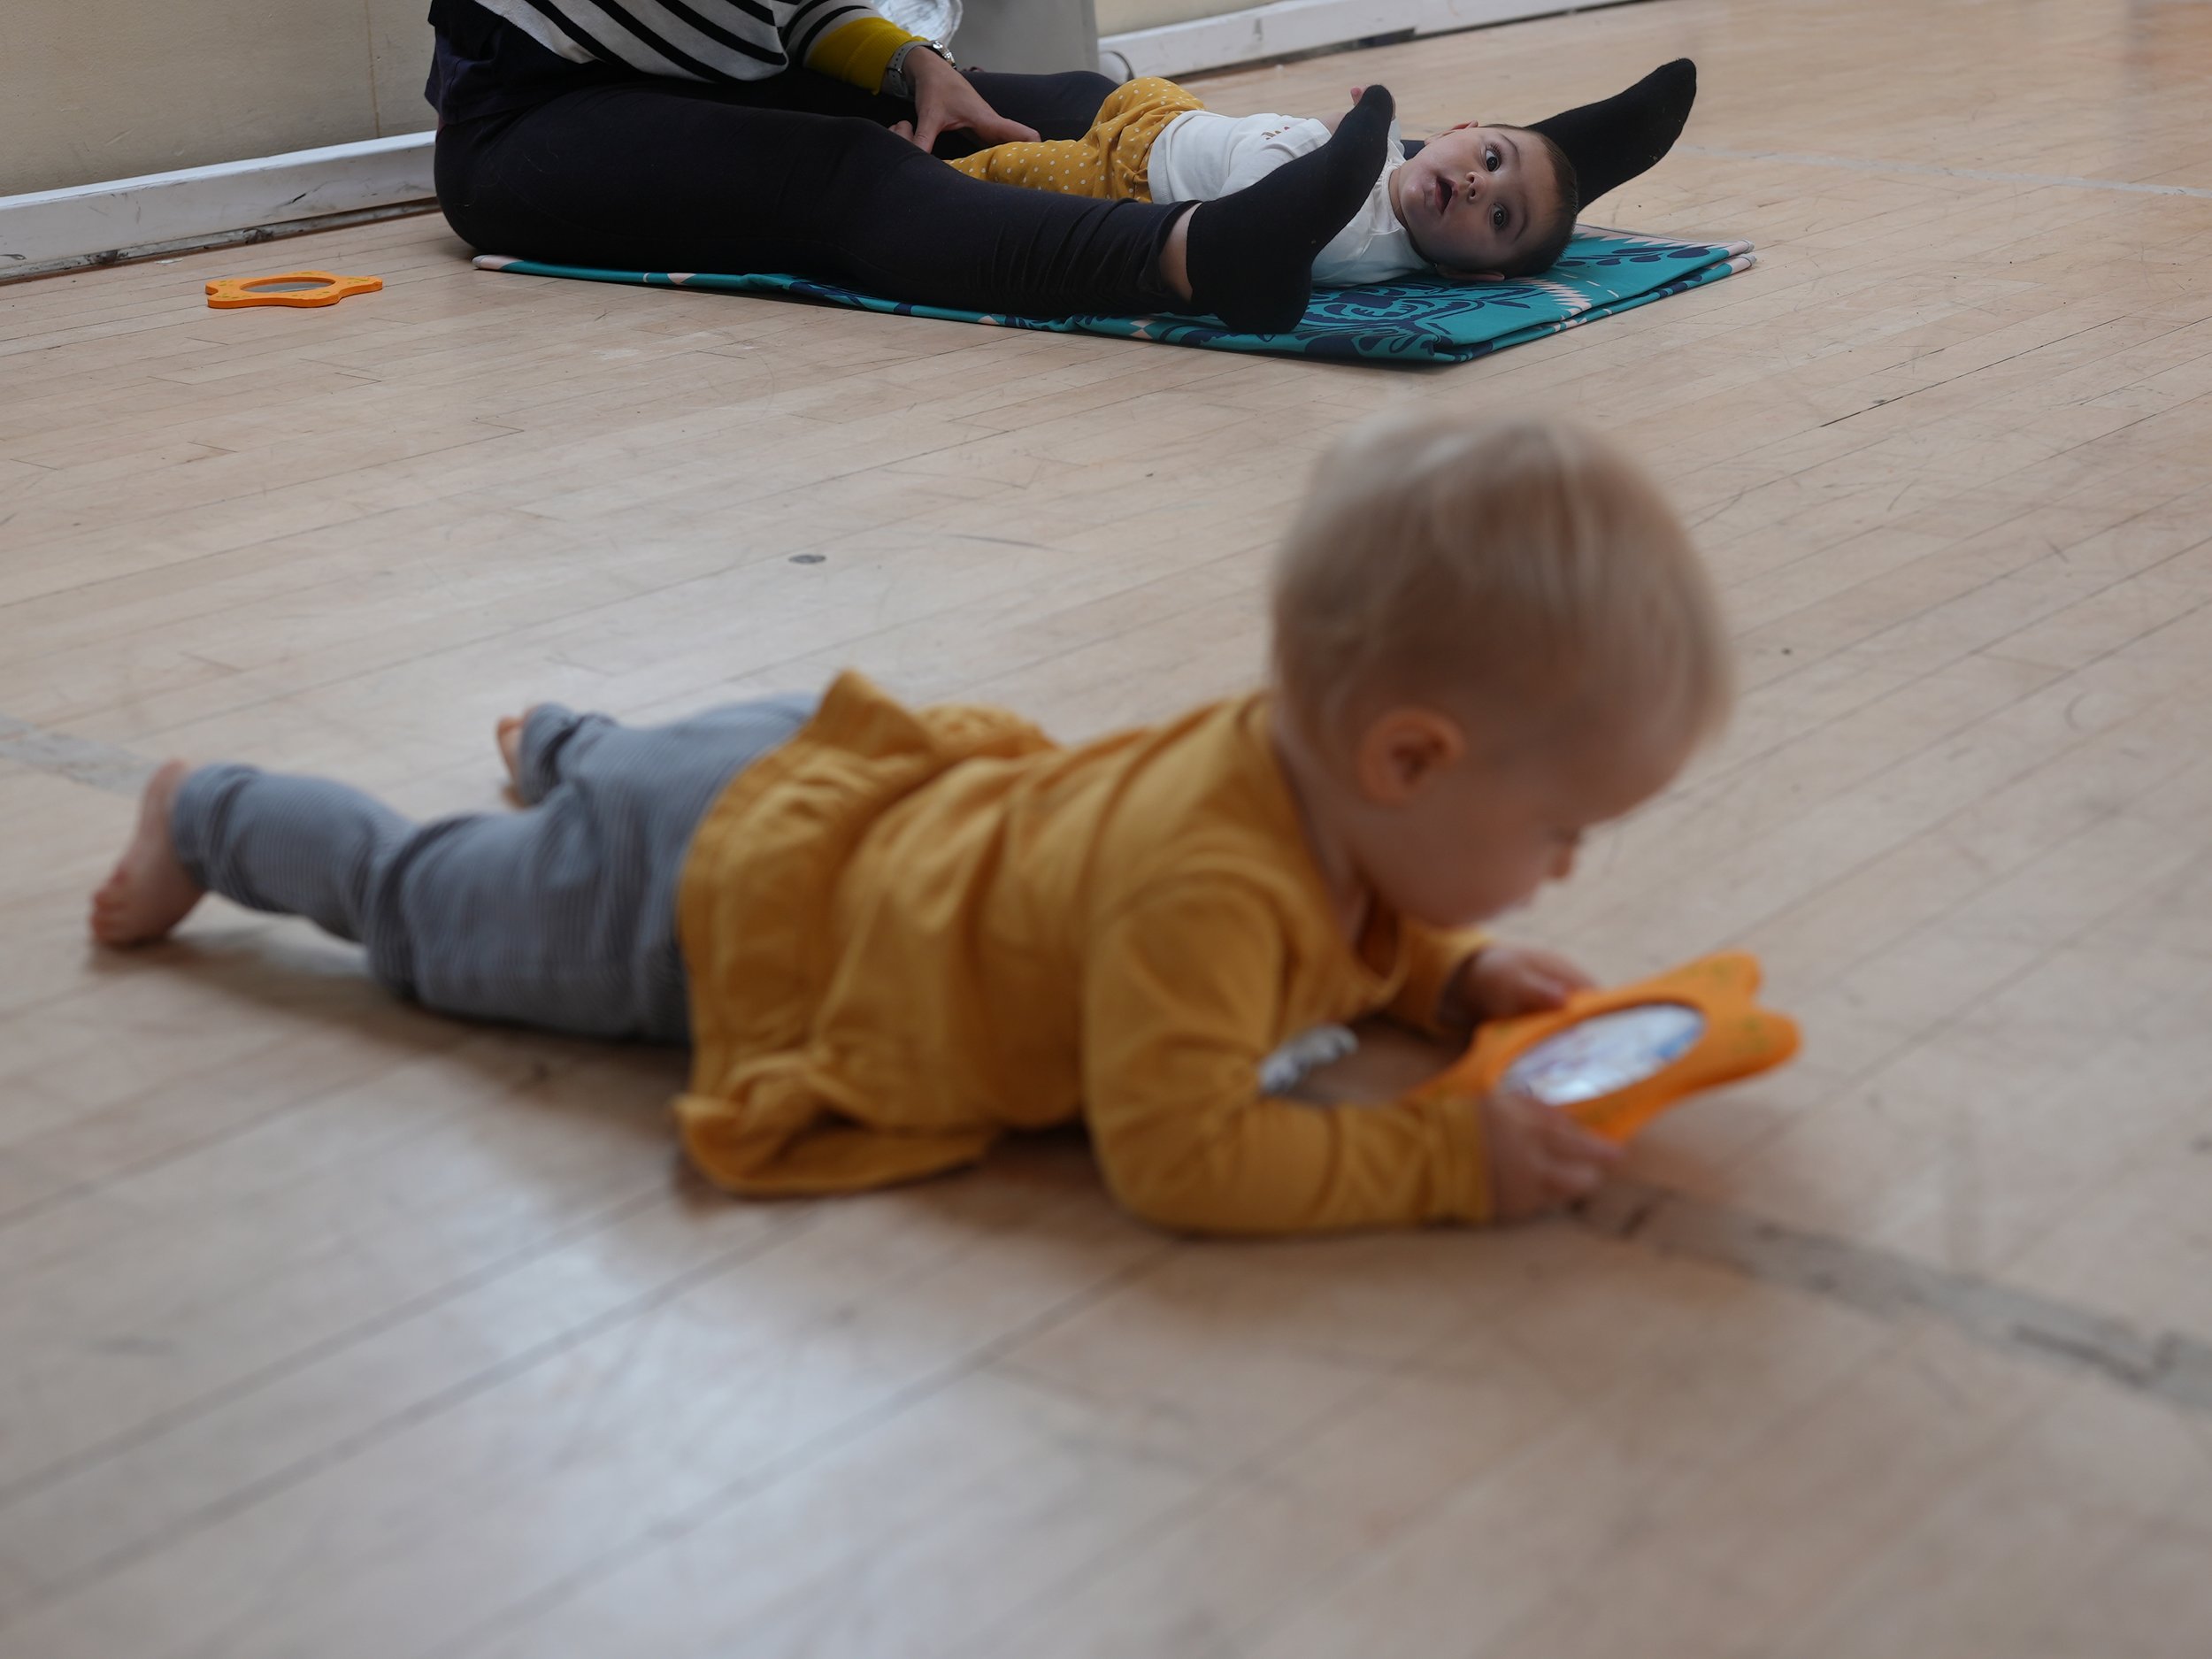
233,202
1290,28
238,202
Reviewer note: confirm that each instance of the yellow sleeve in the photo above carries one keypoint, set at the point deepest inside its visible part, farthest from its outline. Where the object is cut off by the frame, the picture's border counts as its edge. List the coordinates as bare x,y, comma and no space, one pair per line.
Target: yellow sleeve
858,51
1432,957
1180,1007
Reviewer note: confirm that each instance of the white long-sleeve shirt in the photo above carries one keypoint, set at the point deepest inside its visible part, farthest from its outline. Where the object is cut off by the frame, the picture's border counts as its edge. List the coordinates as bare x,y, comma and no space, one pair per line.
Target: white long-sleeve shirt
1200,156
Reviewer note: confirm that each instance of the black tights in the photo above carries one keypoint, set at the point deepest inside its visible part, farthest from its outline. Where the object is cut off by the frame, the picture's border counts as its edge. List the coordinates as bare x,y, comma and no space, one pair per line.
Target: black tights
655,175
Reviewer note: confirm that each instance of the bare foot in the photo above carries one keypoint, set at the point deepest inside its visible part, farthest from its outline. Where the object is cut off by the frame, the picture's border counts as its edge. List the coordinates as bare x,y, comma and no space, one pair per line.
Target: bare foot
508,732
149,893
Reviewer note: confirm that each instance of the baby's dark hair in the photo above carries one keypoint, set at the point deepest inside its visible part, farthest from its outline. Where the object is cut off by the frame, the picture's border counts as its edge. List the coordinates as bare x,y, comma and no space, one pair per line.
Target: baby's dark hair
1559,228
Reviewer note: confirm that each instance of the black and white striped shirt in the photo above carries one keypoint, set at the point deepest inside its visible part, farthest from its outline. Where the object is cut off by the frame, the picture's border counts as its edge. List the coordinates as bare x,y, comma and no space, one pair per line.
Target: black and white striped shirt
692,40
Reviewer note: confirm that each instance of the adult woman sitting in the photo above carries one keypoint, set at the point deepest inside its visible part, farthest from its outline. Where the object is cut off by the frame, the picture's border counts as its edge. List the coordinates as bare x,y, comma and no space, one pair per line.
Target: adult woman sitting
754,136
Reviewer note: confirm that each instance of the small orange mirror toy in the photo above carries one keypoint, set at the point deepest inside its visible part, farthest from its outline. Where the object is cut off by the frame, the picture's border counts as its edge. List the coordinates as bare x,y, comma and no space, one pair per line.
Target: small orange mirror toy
1617,1059
293,288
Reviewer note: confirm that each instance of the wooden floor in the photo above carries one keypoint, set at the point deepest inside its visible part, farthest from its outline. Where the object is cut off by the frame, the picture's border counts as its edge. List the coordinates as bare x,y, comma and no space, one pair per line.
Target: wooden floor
330,1328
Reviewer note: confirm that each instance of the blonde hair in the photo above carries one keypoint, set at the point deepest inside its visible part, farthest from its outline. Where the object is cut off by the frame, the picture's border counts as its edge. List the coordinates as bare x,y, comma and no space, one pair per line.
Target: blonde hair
1523,565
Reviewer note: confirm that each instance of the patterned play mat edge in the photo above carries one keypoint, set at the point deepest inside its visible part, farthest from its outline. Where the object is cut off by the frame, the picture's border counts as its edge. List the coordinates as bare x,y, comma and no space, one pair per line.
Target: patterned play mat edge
1603,274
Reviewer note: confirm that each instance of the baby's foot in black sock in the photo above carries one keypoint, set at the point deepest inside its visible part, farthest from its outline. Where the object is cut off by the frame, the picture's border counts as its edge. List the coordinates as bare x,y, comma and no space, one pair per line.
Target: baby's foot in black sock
1612,141
1251,255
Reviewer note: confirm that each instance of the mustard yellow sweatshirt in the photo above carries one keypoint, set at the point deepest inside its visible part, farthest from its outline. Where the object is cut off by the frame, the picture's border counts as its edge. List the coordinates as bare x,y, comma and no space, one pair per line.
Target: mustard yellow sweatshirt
908,932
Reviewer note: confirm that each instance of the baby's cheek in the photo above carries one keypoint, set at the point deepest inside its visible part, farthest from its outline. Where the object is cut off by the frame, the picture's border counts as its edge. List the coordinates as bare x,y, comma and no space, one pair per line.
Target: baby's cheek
1469,251
1533,873
1504,887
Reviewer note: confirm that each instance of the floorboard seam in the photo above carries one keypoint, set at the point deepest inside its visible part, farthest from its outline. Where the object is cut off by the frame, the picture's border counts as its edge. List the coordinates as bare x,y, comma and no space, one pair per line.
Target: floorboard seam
83,759
2168,1365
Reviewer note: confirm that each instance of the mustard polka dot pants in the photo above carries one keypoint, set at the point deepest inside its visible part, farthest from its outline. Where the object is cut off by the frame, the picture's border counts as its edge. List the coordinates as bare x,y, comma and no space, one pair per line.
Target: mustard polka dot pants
1109,162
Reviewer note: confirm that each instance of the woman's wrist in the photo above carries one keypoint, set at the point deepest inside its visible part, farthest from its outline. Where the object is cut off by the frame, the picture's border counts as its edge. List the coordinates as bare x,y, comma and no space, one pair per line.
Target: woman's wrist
916,62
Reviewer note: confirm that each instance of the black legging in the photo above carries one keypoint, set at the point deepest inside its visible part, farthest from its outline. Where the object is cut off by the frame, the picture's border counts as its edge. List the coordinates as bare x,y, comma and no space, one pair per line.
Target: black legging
777,175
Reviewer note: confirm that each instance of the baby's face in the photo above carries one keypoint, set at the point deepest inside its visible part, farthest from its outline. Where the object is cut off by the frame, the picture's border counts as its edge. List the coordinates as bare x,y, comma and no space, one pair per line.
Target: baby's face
1474,198
1476,837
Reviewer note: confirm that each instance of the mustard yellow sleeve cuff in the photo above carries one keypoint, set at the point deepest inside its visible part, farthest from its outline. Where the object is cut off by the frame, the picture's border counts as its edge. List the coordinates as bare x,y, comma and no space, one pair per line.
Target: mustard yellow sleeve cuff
859,51
1467,1176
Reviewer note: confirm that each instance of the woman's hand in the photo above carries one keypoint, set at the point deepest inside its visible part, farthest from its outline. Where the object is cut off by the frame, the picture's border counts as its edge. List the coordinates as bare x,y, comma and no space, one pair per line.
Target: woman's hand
946,101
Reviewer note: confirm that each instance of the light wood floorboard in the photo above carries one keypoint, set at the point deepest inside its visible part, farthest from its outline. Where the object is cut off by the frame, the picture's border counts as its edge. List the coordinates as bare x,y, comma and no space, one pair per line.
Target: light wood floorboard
327,1327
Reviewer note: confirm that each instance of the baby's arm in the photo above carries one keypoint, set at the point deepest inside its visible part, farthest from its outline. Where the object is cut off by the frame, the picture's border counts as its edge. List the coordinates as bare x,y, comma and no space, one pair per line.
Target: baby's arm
1456,980
1180,1007
1501,981
1539,1156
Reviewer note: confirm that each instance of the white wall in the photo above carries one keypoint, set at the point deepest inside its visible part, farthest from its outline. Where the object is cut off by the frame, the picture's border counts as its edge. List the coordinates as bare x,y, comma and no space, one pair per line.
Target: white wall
99,89
93,89
1115,16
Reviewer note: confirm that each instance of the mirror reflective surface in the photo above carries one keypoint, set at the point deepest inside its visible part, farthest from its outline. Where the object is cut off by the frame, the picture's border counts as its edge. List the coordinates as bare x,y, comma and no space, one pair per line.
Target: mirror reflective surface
1606,1052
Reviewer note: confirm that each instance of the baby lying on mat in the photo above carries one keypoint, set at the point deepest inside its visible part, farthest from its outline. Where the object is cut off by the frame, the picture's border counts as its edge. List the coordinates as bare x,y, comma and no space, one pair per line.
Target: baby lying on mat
1475,202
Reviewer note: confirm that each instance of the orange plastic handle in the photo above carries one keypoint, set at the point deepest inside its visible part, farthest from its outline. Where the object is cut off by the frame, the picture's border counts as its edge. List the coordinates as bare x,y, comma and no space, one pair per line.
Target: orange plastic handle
1740,1038
230,293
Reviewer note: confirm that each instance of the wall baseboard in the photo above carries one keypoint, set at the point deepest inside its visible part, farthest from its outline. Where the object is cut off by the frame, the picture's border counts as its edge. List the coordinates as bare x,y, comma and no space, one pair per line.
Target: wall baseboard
1289,27
255,199
268,196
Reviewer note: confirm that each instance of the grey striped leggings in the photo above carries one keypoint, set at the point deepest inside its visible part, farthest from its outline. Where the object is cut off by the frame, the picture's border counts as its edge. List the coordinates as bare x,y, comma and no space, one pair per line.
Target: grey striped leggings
562,916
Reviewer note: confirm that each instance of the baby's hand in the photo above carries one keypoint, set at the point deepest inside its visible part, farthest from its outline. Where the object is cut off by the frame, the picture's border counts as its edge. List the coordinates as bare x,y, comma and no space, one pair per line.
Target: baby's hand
1501,981
1539,1157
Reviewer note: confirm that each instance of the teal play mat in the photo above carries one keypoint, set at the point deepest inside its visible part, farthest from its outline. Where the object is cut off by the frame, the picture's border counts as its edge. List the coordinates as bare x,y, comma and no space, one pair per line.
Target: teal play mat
1419,320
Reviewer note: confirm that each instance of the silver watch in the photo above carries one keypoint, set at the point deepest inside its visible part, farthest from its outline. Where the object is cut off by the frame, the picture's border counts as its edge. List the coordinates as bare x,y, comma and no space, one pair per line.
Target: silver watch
896,83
